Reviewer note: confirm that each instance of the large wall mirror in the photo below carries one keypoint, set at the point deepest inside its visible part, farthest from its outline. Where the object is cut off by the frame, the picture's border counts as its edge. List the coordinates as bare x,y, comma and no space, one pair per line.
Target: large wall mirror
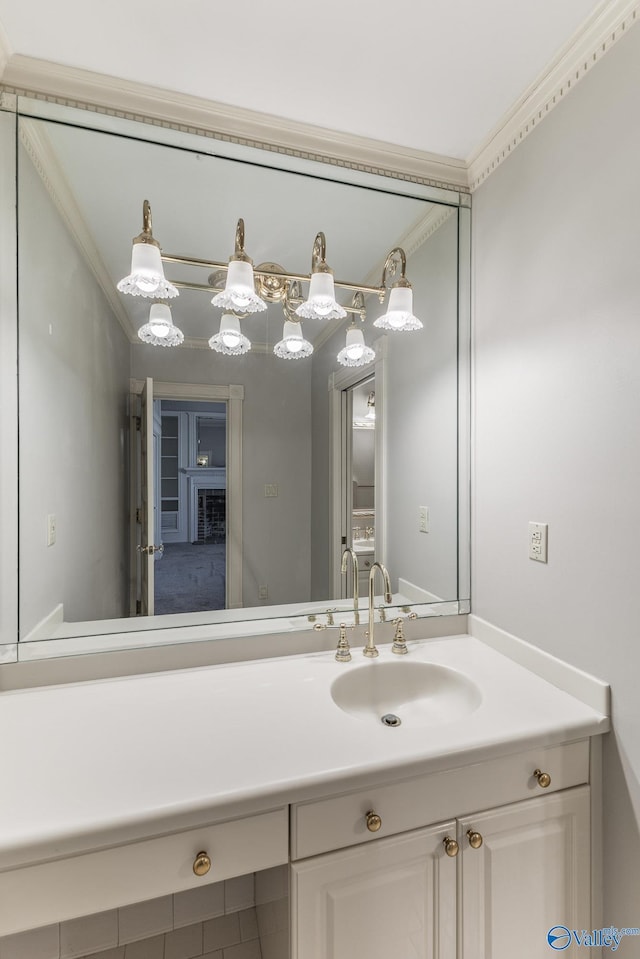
163,486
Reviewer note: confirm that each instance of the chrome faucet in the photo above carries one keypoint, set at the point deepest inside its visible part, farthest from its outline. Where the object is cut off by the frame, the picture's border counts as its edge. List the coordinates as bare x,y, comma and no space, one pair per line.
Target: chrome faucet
370,649
346,553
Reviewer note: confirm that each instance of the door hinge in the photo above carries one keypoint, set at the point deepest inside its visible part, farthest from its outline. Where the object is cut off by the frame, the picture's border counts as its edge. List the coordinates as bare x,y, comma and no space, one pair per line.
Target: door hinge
138,515
138,607
138,423
344,540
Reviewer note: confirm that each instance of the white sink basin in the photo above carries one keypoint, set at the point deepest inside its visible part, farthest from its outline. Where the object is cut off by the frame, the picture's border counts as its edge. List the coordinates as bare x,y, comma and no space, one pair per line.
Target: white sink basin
419,694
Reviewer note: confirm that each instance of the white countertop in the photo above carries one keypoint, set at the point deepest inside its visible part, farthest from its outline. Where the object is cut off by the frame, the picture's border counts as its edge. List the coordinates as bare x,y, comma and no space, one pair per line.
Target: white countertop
93,764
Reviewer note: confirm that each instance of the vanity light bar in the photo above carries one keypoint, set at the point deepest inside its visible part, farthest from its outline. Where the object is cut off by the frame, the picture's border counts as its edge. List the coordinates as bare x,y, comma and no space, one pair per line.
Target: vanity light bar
246,290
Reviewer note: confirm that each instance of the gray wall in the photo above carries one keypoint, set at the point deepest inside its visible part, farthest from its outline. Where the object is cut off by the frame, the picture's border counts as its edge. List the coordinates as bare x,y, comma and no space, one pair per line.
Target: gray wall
421,433
73,388
276,450
556,248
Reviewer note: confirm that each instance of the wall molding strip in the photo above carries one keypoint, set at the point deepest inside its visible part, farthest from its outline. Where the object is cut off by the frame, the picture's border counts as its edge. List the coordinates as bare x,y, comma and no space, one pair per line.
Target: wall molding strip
597,35
136,101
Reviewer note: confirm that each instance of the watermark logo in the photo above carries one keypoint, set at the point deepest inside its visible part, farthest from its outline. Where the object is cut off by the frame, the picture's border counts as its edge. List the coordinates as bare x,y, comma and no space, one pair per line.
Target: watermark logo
560,938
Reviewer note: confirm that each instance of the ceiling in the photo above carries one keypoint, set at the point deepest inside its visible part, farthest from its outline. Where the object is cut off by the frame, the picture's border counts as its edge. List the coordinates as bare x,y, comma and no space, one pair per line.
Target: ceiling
428,75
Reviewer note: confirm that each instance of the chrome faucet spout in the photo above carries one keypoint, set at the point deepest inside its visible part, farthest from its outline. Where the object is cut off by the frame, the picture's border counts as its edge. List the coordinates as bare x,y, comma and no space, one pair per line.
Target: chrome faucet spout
370,649
346,553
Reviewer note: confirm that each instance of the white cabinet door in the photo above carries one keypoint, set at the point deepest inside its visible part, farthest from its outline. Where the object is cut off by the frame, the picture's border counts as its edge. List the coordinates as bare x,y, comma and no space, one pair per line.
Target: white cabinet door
531,873
391,899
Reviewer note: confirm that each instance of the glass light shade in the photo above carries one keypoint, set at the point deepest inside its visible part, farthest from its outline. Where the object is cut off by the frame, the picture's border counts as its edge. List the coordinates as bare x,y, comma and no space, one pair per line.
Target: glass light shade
159,330
399,315
293,345
230,340
356,352
239,292
321,303
147,275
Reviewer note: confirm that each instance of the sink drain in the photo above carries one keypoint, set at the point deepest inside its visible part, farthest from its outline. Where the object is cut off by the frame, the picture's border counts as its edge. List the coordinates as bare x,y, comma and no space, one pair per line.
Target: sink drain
390,719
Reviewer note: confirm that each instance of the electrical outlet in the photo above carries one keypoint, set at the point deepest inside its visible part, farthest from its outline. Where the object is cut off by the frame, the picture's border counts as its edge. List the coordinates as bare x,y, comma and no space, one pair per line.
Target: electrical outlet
271,489
263,592
423,519
538,542
51,529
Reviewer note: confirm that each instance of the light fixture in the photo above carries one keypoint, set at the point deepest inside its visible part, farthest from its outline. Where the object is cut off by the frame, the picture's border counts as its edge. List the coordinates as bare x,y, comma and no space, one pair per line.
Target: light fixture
230,340
293,345
356,352
160,330
321,303
399,316
147,274
247,290
239,292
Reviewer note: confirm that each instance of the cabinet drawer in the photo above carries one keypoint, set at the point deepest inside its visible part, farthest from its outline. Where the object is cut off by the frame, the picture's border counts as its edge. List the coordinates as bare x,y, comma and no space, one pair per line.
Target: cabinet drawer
97,881
341,821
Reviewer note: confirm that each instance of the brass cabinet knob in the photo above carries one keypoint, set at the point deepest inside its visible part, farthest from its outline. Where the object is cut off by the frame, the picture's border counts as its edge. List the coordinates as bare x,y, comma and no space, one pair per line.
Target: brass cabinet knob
544,779
201,864
450,846
475,839
374,822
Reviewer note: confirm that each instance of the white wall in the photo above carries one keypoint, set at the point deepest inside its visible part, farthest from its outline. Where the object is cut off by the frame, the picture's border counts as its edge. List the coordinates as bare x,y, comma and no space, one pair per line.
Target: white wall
421,429
276,450
73,389
556,246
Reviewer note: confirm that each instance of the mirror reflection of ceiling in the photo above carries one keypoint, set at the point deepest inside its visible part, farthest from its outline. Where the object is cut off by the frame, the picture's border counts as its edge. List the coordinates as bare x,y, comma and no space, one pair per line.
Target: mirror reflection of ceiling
430,76
196,200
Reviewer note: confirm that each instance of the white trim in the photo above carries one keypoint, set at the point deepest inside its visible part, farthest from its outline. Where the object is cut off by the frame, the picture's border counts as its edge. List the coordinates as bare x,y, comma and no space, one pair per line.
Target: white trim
606,25
6,50
138,101
588,689
34,139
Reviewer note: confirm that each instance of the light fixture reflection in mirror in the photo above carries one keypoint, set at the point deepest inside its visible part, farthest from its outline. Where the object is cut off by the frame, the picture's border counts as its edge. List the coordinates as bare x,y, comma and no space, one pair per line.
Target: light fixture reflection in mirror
77,369
240,298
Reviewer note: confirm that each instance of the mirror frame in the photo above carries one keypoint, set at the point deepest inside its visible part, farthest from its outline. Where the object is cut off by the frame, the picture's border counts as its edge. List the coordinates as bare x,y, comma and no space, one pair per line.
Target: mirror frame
84,640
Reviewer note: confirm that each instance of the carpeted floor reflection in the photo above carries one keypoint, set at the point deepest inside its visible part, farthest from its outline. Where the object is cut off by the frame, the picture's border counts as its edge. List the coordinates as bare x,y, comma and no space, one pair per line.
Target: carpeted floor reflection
190,579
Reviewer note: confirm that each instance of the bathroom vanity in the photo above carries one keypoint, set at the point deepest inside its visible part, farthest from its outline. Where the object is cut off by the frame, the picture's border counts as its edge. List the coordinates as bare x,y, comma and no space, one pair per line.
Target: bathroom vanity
469,822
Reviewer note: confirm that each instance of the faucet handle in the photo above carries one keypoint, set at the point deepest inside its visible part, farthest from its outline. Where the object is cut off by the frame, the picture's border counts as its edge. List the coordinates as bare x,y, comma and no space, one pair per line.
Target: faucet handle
343,652
330,612
399,645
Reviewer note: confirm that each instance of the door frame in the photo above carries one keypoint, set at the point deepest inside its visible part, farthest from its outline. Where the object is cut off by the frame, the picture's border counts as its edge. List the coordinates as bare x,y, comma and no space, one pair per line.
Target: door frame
233,396
339,382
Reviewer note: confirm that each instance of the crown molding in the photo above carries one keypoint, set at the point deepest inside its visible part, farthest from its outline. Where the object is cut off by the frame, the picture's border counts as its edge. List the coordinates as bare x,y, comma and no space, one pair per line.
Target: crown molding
104,94
44,159
137,101
6,51
597,35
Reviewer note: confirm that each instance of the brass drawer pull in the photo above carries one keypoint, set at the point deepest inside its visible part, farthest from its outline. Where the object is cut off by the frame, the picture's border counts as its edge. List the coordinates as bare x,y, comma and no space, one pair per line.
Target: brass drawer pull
544,779
450,846
475,839
201,864
374,822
